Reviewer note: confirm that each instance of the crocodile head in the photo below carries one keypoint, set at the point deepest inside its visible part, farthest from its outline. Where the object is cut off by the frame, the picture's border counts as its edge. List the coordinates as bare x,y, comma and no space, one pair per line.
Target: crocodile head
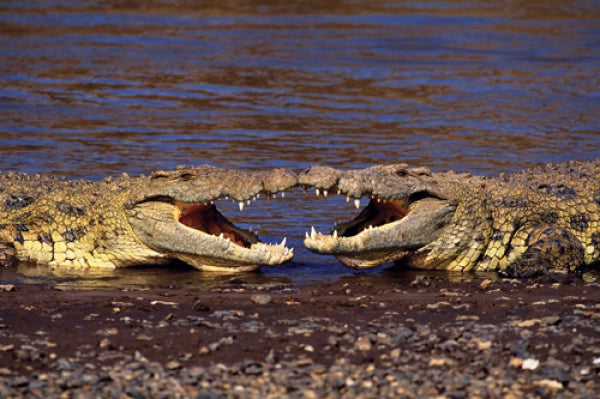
174,214
407,211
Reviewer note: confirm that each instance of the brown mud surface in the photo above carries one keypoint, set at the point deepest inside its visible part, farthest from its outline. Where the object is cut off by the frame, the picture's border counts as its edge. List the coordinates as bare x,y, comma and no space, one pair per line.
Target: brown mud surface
349,338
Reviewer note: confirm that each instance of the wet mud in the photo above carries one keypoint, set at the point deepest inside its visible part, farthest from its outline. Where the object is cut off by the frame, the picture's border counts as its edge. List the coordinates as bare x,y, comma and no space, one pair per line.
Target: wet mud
430,337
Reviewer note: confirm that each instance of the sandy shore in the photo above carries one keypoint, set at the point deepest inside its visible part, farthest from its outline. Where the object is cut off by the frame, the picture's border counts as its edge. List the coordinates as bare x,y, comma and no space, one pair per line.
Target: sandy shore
349,338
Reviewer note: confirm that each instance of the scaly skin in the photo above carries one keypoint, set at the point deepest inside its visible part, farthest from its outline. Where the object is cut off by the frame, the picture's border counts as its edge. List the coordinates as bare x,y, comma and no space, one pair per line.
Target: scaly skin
135,220
542,220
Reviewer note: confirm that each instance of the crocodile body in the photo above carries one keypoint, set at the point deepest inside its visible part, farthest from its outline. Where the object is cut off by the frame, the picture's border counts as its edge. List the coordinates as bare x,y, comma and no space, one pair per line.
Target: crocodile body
128,221
545,219
540,220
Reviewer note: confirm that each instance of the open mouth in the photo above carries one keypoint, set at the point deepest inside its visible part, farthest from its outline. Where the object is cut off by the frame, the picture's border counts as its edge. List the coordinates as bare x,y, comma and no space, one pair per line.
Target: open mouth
225,245
207,219
377,213
199,235
385,230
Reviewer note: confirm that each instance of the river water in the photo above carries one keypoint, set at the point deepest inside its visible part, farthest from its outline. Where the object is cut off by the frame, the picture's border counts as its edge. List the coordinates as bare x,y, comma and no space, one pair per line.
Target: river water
104,87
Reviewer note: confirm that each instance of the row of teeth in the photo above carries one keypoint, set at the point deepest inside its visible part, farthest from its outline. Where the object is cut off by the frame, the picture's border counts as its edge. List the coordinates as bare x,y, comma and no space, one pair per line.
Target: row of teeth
242,204
262,246
314,233
325,193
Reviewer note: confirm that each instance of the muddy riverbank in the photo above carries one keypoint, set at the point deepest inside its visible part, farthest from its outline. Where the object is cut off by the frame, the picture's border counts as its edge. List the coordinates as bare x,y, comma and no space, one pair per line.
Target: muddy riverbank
431,337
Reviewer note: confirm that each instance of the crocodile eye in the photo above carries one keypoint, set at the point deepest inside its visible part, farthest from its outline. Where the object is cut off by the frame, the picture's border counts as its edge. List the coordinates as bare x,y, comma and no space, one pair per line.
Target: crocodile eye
160,174
186,176
401,173
171,176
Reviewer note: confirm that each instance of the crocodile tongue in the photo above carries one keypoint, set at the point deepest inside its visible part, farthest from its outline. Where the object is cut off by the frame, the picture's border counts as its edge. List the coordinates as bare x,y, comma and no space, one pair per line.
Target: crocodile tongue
376,214
206,218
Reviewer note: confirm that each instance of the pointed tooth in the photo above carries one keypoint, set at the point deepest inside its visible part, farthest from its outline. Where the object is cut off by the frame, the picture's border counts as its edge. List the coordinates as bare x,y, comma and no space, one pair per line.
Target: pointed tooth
241,205
347,198
313,232
307,234
325,193
283,242
339,191
248,202
370,227
378,200
335,234
317,191
227,240
221,236
357,203
283,194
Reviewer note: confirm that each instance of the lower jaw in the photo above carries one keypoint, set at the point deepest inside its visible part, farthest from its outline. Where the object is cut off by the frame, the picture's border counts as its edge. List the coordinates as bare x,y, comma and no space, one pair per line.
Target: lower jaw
226,270
358,263
369,260
226,267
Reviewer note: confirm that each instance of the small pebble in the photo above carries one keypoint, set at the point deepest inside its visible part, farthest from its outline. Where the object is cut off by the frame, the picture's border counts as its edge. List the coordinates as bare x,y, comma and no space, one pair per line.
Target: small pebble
485,284
530,364
104,343
550,384
363,343
261,299
173,365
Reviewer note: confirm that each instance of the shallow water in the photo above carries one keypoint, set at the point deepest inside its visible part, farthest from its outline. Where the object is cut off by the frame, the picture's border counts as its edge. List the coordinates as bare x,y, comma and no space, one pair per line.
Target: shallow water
108,87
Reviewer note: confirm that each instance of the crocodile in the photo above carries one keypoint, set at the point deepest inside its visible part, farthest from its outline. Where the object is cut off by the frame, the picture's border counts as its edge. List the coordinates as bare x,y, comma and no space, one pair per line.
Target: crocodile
544,220
125,221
